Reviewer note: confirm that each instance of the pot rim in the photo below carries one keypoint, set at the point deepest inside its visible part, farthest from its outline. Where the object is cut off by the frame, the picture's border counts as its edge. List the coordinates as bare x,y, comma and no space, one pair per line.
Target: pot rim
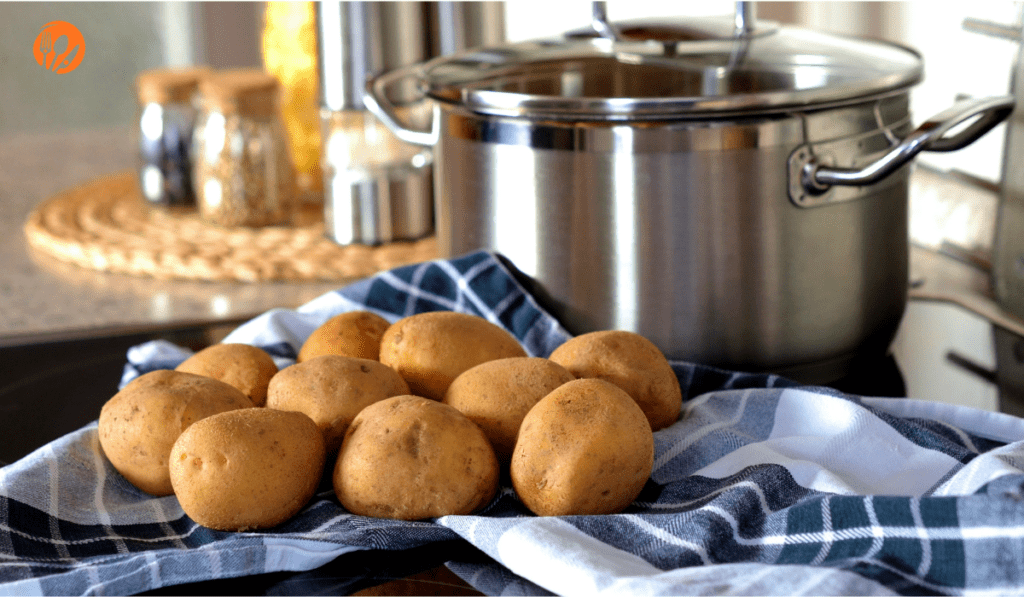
527,109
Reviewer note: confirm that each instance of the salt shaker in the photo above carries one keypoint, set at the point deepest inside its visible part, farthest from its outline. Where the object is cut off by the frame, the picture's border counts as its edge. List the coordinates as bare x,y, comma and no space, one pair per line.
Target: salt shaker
377,188
243,172
166,118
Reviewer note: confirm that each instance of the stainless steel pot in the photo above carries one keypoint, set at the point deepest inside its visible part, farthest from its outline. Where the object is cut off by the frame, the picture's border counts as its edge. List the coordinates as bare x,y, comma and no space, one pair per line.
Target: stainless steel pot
735,193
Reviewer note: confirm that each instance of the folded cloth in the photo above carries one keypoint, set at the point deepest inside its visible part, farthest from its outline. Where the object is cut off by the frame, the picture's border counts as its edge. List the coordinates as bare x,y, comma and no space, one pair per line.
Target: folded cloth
763,486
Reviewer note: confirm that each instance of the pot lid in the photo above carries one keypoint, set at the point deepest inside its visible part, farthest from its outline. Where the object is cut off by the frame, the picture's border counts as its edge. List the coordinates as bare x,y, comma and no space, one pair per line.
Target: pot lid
658,69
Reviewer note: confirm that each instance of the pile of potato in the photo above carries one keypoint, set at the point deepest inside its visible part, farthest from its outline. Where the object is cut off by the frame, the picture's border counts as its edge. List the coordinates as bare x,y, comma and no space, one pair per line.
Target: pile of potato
412,420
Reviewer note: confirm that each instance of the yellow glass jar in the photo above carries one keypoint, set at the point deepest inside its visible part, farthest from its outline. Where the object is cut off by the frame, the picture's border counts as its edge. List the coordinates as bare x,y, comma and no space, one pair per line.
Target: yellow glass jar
289,50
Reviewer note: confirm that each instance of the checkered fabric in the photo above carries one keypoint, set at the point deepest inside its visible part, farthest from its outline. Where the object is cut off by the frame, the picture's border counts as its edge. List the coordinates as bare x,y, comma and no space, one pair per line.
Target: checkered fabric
762,487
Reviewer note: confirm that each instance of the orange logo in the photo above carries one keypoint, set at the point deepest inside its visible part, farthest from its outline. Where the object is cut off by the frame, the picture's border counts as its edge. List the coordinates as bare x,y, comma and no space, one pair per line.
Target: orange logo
59,47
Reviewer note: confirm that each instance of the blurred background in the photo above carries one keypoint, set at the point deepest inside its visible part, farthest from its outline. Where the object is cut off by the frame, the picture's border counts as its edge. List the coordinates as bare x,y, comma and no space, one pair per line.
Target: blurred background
124,38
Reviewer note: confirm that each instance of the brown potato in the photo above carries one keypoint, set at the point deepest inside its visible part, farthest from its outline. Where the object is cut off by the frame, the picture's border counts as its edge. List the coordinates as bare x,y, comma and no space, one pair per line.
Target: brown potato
496,395
332,389
246,367
631,362
247,469
353,334
429,350
411,458
139,425
585,448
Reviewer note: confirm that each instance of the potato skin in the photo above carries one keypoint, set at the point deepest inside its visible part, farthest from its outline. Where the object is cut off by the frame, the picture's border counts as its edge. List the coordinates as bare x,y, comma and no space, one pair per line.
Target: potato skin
247,469
139,425
411,458
429,350
332,389
248,368
632,363
496,395
352,334
585,448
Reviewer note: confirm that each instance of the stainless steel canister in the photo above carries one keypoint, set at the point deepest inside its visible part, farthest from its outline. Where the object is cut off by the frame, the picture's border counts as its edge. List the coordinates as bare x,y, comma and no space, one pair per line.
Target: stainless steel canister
377,187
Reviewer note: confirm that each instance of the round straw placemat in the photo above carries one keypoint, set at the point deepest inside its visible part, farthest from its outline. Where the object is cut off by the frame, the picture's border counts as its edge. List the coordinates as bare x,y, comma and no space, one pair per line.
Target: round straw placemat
107,226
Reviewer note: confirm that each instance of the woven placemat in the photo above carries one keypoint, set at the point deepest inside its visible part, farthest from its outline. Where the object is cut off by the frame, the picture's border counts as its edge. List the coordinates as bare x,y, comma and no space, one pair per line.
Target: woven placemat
107,226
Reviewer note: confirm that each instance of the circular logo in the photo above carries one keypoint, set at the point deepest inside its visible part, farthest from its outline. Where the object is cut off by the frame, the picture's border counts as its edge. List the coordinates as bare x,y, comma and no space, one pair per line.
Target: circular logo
59,47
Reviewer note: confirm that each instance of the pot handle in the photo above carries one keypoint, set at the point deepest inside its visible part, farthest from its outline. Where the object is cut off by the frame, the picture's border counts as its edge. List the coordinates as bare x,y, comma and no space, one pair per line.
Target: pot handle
377,100
817,178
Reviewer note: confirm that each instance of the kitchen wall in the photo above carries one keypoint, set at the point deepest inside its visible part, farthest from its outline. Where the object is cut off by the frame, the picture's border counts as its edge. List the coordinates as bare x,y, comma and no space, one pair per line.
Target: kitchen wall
959,62
121,39
95,94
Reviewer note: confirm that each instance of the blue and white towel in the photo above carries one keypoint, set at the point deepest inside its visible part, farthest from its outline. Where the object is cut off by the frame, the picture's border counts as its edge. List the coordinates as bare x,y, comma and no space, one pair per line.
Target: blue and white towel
761,487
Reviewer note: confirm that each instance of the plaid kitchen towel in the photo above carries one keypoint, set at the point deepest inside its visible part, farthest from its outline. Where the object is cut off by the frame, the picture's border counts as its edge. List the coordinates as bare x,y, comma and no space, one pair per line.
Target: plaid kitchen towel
762,487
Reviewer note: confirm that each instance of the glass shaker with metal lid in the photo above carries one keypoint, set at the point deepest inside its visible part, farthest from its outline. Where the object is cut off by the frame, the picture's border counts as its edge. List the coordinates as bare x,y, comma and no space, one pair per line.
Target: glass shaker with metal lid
377,187
243,172
166,118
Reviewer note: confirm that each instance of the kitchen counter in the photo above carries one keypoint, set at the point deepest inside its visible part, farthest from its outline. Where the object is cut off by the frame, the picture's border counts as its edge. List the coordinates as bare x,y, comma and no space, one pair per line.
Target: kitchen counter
43,298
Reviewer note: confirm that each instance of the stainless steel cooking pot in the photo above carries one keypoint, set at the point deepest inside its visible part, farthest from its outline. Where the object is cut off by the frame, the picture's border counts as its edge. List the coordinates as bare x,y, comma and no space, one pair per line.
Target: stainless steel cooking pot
737,194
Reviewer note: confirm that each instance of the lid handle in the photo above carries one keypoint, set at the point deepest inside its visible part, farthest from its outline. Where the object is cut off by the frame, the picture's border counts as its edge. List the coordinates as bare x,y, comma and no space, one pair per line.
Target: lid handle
599,21
746,18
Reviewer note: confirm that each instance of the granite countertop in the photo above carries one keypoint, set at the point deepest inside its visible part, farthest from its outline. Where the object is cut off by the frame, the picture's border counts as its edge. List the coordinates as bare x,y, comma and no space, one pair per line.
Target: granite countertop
43,298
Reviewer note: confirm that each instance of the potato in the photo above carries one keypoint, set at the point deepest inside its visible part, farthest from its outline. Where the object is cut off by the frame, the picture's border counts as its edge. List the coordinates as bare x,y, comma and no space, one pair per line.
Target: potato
332,389
585,448
631,362
247,469
411,458
431,349
246,367
139,425
353,334
496,395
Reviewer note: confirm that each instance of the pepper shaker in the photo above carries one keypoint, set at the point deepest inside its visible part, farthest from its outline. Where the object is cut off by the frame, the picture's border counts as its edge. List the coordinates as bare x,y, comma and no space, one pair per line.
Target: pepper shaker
166,118
244,175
